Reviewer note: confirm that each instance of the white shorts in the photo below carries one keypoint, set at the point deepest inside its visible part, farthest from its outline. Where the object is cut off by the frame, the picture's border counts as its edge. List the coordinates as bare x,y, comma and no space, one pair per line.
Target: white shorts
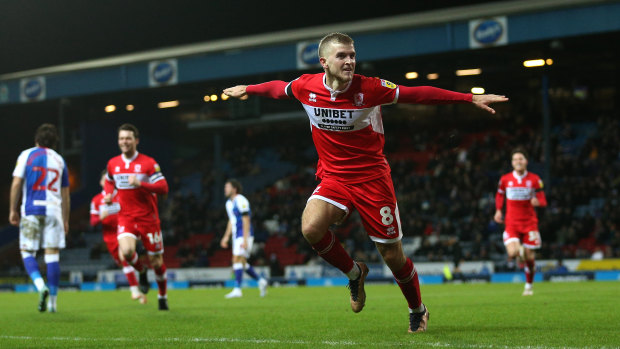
243,252
37,232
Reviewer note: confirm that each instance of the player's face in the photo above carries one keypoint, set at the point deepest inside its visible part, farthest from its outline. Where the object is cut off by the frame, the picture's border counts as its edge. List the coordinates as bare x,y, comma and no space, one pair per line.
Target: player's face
519,162
339,62
228,190
127,142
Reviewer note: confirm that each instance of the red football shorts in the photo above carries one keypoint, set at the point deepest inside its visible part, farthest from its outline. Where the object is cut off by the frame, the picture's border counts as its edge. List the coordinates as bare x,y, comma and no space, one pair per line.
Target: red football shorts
111,241
526,233
149,233
374,200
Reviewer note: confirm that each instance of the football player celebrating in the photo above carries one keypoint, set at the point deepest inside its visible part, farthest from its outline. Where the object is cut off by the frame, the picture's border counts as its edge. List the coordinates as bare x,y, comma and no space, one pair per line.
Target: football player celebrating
344,110
138,179
523,192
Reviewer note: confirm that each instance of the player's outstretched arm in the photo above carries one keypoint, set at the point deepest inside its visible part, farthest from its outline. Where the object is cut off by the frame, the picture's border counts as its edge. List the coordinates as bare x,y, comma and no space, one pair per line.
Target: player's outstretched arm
483,101
275,89
236,91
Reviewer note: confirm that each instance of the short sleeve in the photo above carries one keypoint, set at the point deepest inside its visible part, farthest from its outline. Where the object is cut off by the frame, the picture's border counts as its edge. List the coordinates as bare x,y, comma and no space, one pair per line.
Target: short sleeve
20,166
243,204
65,176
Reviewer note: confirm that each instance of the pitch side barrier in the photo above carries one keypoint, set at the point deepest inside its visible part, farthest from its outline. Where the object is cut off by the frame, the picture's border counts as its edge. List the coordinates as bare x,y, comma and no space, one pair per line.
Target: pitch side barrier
321,276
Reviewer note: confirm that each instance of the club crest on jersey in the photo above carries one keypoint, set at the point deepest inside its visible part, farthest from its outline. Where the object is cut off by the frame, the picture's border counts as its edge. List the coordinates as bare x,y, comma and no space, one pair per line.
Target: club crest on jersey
528,183
137,168
510,184
312,97
117,168
388,84
358,99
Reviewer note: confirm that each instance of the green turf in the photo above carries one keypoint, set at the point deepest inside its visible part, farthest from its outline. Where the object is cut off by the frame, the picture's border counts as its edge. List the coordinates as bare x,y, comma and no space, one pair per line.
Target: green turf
485,316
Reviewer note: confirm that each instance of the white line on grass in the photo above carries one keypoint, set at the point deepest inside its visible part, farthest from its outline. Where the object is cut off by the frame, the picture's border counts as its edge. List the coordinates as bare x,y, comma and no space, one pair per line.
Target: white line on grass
289,342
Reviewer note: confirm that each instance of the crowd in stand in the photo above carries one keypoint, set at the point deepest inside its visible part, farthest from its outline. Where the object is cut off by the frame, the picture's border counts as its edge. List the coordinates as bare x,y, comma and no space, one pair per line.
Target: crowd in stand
446,201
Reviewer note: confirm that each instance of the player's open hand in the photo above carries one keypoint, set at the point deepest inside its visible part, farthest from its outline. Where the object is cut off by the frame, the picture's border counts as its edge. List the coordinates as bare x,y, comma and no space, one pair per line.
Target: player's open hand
534,201
483,101
498,217
236,91
14,218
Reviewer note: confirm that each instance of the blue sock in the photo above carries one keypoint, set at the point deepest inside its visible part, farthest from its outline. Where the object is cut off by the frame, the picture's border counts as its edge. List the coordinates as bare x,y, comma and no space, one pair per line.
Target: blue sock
251,271
32,268
53,277
238,268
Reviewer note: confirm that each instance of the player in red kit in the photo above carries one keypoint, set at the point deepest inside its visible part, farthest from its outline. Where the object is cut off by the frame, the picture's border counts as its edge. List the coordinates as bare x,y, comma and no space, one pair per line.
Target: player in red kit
523,191
344,110
138,180
107,215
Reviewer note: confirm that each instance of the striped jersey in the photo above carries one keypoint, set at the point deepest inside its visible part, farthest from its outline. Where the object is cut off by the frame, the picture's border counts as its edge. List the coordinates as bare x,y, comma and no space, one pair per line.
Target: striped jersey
236,208
45,173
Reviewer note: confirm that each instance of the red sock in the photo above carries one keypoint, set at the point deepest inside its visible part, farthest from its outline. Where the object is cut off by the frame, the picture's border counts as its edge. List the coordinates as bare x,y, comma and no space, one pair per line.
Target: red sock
162,280
134,261
330,249
407,279
530,270
129,273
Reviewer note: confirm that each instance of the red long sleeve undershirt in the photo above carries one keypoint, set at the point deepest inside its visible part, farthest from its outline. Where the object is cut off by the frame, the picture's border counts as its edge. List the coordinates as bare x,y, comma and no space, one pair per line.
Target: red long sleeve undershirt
94,220
276,89
160,187
499,201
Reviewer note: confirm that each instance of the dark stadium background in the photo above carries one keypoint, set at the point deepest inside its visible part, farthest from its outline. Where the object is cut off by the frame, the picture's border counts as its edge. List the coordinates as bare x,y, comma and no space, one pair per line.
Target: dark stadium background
35,34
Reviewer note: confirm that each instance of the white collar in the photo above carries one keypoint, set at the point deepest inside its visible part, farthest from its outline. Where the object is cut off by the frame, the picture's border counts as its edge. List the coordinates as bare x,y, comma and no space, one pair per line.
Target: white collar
334,93
132,158
519,178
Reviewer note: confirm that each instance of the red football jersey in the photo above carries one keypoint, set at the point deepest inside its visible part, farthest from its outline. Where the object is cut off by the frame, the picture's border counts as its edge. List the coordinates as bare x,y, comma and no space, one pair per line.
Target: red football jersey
346,125
137,203
519,190
109,224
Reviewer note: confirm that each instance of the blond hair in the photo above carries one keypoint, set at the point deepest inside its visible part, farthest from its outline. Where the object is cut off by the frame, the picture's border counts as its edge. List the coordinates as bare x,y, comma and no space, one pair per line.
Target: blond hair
339,38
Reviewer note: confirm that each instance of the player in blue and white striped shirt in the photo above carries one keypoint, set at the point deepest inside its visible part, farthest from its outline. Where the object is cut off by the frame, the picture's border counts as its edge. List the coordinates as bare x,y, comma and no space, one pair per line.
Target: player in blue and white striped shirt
41,181
240,228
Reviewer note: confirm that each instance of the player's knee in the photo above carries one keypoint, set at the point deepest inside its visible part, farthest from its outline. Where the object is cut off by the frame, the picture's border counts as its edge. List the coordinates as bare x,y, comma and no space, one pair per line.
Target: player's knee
312,232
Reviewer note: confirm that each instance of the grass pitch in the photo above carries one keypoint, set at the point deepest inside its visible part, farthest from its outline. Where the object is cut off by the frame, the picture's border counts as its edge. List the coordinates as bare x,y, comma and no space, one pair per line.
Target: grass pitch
475,316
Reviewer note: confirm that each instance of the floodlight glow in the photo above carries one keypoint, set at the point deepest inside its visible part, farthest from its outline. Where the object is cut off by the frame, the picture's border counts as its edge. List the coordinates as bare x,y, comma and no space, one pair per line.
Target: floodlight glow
477,90
207,98
110,108
411,75
224,96
465,72
168,104
214,98
129,107
534,63
549,61
432,76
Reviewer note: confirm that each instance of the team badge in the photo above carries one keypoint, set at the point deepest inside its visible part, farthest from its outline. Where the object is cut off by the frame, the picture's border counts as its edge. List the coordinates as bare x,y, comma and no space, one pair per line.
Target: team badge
510,183
528,183
117,168
312,97
137,168
157,169
388,84
358,99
